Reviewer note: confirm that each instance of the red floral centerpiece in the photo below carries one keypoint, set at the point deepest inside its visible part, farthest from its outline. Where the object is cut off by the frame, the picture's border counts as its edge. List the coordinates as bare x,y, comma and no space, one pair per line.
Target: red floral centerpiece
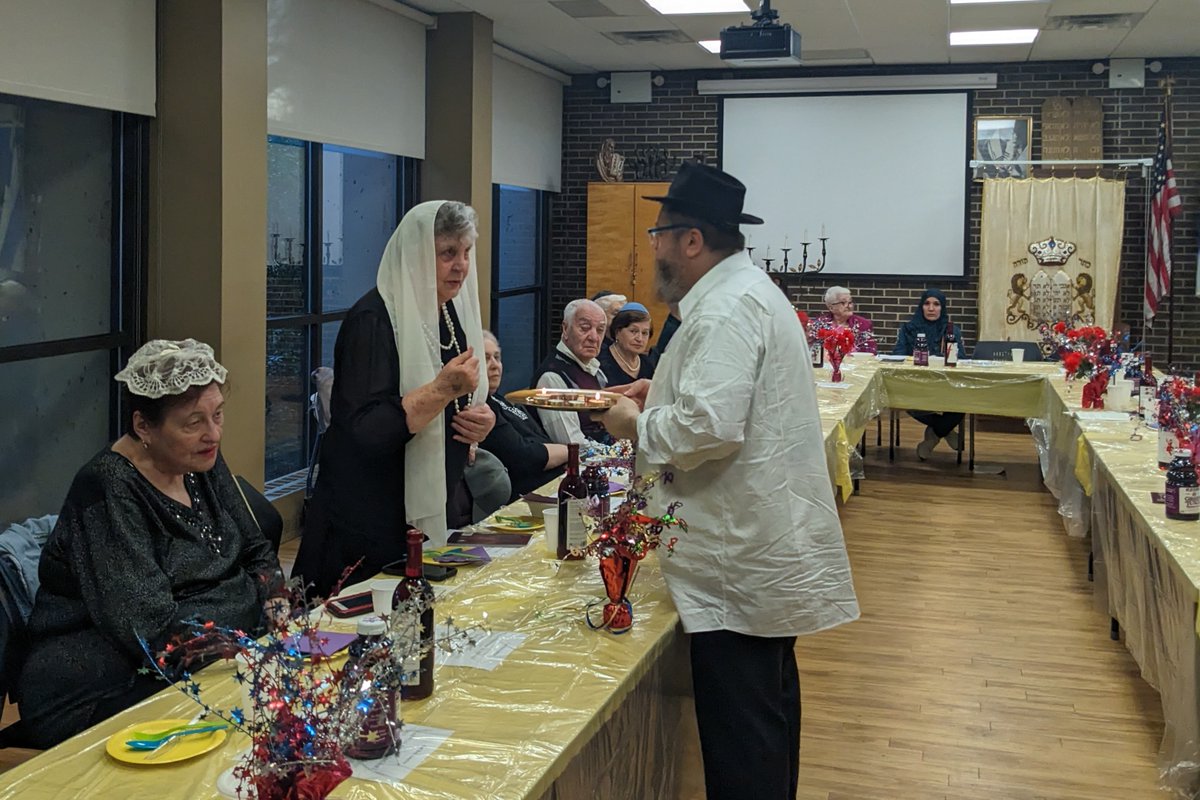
621,539
1088,353
1179,412
837,341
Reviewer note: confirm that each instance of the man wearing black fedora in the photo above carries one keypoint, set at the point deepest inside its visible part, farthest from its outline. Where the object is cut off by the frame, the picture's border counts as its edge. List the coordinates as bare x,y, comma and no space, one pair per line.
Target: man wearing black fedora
732,415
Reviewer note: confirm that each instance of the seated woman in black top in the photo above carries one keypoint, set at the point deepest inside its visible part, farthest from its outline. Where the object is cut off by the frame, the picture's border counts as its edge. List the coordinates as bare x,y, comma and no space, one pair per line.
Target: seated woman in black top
624,359
931,318
154,532
518,438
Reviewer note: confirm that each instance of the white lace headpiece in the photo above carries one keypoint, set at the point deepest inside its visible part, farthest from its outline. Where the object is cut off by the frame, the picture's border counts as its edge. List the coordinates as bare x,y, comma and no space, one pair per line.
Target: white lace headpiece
161,367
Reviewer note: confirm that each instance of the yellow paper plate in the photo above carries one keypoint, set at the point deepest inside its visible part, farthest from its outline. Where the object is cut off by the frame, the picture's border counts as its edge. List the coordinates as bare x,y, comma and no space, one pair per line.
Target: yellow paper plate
510,524
187,747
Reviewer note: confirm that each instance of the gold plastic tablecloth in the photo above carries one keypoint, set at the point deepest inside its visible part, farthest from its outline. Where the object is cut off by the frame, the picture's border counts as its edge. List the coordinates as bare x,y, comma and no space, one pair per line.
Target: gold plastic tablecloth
516,730
573,711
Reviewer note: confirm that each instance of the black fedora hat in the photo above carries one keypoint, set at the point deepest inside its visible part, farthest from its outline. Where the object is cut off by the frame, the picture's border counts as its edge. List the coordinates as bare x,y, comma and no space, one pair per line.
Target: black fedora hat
708,194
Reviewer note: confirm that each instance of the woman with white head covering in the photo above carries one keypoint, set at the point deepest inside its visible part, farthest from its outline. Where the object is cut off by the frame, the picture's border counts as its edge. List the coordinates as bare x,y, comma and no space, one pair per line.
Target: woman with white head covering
154,532
409,400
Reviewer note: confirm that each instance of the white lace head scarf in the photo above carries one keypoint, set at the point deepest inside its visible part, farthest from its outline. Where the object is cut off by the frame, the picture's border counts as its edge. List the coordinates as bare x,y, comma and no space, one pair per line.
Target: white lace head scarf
407,281
161,367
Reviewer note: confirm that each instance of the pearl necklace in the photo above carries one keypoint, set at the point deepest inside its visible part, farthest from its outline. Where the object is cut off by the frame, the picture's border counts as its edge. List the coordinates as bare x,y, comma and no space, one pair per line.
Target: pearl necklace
637,361
453,345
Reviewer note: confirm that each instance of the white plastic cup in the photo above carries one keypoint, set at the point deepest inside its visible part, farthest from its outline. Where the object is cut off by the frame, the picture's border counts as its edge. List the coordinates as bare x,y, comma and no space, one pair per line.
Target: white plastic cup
550,533
381,595
1018,355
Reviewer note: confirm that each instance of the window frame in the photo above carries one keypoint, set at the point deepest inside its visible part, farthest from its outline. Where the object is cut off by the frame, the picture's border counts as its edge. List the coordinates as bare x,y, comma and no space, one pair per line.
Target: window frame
128,234
541,287
315,316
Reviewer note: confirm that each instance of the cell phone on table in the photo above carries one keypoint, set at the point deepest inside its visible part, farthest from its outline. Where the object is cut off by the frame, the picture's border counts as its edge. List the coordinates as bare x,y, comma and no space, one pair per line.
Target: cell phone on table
433,572
351,605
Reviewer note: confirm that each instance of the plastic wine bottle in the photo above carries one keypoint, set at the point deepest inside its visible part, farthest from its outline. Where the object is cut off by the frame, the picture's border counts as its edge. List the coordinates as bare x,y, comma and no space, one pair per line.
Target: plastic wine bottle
1148,392
572,501
1183,491
921,351
378,734
417,681
950,346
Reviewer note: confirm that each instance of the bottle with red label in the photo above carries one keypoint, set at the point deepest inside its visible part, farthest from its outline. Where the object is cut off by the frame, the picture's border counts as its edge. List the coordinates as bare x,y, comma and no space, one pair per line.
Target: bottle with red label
1183,489
417,680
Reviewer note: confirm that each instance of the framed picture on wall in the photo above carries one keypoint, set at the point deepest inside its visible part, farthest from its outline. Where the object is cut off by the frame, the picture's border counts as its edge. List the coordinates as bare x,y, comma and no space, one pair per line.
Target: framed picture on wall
1003,139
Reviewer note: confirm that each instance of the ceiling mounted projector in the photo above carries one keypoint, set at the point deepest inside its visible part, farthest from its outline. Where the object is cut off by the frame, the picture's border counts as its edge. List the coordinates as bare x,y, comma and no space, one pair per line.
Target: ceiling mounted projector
764,43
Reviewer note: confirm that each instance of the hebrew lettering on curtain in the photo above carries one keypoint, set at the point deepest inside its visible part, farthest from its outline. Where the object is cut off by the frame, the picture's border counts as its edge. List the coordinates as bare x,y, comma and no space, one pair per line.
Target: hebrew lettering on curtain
1050,250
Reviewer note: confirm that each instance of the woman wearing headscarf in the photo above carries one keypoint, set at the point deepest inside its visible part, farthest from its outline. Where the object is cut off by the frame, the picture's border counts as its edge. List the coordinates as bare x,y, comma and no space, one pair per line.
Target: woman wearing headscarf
932,318
154,533
409,401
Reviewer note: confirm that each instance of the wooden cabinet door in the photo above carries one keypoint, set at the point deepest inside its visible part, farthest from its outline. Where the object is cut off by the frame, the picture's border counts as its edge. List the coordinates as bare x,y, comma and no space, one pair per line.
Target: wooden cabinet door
610,253
619,256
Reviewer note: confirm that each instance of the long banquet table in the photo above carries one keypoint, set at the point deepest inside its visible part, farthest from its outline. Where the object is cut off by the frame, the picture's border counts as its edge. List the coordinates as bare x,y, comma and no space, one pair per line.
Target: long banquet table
573,713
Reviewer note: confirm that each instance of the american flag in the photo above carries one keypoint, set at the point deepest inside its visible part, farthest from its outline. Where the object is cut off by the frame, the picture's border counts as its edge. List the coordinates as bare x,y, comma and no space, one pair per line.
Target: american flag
1165,206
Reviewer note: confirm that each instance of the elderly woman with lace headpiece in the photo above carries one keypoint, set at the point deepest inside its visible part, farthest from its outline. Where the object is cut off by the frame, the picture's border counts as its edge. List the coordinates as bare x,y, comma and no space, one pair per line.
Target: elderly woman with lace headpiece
409,402
154,533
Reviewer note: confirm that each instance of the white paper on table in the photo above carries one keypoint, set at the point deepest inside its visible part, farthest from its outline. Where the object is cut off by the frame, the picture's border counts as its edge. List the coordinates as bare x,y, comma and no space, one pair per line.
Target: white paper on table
488,652
499,551
889,357
416,743
828,385
1102,416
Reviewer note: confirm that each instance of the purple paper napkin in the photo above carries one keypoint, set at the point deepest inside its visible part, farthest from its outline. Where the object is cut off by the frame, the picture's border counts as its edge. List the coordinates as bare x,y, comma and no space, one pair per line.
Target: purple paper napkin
327,643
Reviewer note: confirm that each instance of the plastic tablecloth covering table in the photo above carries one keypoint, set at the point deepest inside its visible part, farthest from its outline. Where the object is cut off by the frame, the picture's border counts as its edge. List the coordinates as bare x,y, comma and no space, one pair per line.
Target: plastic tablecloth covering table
575,713
568,712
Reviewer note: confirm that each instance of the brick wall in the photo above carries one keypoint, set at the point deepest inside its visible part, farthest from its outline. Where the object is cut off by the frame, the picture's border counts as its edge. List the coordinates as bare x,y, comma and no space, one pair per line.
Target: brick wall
685,123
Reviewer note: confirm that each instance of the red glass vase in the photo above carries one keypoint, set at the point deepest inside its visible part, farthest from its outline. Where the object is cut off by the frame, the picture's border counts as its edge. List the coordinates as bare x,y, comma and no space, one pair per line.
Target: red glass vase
1093,390
835,363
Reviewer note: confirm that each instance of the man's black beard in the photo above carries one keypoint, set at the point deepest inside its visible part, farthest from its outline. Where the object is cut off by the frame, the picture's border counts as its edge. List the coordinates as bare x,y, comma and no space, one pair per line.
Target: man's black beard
668,286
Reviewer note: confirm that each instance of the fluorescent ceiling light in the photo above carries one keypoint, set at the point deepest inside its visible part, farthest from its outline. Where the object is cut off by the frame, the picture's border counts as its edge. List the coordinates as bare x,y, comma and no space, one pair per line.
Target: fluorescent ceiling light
840,84
699,6
1014,36
711,45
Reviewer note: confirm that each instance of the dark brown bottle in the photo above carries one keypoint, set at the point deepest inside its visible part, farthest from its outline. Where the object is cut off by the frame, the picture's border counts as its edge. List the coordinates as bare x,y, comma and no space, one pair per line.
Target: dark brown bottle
572,501
417,681
950,346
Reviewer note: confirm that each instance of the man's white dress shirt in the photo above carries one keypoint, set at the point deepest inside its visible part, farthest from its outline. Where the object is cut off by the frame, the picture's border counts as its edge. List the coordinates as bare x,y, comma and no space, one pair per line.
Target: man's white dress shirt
732,414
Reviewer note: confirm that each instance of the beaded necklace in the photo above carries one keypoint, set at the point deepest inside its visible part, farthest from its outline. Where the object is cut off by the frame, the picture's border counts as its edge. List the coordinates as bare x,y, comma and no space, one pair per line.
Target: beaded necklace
452,345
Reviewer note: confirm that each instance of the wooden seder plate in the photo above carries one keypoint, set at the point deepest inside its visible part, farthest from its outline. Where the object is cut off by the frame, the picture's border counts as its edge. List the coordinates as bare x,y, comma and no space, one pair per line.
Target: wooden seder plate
564,399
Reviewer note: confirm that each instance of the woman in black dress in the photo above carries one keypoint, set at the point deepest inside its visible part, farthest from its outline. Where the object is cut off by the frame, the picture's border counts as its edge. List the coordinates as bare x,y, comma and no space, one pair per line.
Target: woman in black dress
154,532
624,359
409,399
518,439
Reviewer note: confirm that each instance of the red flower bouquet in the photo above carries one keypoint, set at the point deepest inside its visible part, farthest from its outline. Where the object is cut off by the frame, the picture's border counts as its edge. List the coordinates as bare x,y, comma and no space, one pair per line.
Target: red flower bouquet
1089,353
838,342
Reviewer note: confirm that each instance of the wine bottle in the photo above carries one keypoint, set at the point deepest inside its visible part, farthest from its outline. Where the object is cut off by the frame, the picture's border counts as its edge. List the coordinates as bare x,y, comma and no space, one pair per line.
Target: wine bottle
921,351
378,734
596,480
1183,493
1148,392
417,680
950,346
572,501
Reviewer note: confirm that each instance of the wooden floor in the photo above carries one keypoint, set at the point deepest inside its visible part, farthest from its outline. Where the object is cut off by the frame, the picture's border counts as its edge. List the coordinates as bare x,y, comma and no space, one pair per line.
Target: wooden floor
979,669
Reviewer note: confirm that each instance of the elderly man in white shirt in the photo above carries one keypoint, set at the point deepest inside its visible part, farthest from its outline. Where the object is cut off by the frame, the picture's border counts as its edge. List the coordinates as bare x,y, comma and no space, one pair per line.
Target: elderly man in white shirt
574,365
732,414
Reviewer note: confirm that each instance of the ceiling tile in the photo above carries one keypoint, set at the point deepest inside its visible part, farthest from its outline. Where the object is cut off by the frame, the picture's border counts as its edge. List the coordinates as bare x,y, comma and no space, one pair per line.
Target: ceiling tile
1064,45
1060,7
999,16
1168,29
981,54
